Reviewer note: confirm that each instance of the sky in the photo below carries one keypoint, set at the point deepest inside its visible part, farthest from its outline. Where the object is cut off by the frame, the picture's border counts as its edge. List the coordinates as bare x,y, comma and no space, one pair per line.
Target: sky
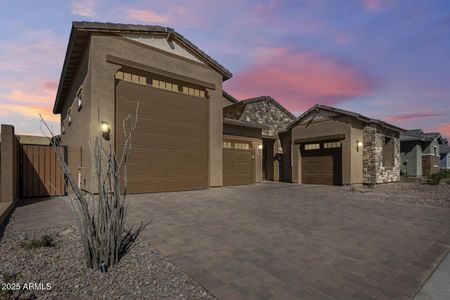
386,59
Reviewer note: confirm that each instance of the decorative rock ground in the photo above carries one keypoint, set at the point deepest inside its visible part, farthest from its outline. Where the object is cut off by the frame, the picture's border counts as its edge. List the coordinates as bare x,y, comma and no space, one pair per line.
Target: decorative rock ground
407,192
141,274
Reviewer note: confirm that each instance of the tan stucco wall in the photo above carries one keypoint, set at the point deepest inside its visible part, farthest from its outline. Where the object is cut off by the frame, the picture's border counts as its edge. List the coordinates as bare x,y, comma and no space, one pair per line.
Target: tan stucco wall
356,162
316,130
79,133
103,93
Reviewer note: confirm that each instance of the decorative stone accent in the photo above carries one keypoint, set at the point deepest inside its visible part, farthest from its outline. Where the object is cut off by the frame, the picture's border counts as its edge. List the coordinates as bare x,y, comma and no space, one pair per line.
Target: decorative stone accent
374,170
262,112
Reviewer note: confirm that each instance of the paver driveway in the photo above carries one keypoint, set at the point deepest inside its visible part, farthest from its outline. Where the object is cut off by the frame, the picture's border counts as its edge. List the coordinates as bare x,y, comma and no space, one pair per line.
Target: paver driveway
282,241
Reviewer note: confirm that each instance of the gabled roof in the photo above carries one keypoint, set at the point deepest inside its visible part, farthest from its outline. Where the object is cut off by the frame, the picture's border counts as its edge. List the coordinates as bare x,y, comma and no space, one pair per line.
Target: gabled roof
419,135
267,99
79,37
229,97
357,116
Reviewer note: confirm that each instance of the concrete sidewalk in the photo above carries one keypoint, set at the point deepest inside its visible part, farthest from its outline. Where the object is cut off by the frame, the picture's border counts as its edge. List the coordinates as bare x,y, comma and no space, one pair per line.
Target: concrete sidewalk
437,286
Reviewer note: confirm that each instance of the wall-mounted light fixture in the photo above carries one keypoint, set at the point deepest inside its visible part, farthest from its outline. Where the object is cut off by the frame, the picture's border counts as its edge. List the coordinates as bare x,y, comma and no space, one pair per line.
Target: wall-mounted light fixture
260,146
359,145
105,130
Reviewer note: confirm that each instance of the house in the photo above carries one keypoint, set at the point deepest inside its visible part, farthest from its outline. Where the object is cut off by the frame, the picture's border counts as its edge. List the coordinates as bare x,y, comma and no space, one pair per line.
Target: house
444,151
327,145
266,111
420,154
182,141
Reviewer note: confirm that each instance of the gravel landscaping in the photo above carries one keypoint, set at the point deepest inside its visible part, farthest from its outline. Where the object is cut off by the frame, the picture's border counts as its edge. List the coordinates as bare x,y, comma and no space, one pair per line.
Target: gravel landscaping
406,192
142,274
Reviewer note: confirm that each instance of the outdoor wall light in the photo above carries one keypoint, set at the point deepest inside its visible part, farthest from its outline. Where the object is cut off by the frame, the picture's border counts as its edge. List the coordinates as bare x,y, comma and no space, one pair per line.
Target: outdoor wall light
260,146
105,130
359,145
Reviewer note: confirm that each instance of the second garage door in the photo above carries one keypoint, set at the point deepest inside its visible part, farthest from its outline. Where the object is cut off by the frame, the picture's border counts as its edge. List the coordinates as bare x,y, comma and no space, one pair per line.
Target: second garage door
237,163
321,163
170,145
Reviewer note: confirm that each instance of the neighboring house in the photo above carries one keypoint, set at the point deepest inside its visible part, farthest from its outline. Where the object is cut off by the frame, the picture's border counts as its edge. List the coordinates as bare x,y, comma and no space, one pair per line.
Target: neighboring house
420,153
182,141
265,111
444,151
327,145
33,139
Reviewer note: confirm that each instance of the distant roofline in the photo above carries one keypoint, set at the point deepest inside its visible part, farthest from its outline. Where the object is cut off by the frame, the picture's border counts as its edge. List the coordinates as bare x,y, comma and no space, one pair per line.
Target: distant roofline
347,113
265,98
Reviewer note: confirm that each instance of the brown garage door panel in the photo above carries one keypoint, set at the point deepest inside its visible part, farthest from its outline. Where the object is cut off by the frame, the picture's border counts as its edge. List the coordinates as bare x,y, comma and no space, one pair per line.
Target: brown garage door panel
237,167
322,166
170,144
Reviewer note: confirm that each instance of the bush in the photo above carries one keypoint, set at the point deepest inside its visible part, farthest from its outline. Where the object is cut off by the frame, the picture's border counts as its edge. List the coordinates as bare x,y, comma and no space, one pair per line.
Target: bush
44,241
435,179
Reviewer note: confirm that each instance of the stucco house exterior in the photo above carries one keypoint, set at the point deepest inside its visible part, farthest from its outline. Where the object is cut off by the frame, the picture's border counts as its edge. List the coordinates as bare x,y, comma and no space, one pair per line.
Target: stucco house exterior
327,145
420,153
444,151
267,111
191,134
182,141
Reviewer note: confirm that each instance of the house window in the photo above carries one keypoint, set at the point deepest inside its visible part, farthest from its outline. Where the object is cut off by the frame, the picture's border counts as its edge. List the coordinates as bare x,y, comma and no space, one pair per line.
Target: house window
332,145
435,149
69,118
312,146
165,85
79,99
388,152
227,145
193,92
242,146
131,77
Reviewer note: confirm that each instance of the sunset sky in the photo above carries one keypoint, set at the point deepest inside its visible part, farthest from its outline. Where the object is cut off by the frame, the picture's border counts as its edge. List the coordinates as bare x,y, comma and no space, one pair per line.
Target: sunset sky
385,59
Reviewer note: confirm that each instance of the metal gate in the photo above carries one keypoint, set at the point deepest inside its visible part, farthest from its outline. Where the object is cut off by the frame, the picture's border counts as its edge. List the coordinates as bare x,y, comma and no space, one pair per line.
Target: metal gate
40,172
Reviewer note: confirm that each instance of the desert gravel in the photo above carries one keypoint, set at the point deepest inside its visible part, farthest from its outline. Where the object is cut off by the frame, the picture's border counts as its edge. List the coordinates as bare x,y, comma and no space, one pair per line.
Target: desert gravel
405,192
141,274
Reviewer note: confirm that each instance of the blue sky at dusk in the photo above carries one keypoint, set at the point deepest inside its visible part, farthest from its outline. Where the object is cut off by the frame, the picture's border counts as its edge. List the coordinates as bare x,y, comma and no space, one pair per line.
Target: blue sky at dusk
383,58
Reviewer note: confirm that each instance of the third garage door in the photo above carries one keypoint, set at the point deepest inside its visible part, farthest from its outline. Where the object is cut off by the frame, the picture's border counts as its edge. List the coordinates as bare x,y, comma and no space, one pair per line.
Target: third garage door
322,163
237,163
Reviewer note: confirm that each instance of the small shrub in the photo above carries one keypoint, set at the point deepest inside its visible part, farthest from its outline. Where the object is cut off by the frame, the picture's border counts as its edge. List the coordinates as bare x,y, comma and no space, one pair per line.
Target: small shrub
44,241
435,179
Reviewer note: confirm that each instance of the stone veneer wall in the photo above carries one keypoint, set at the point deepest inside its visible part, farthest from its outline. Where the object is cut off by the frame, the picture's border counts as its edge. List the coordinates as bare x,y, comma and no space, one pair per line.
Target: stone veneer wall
373,169
264,112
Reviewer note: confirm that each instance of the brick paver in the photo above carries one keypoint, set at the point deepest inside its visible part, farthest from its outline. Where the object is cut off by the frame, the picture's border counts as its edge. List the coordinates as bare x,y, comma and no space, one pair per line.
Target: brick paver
283,241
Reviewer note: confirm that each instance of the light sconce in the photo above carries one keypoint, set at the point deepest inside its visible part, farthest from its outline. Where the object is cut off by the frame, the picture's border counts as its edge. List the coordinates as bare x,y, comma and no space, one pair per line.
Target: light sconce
105,130
359,145
260,147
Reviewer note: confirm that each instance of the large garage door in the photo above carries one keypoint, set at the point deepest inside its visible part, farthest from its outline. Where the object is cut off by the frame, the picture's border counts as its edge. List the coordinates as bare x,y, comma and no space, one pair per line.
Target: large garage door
322,163
170,145
237,163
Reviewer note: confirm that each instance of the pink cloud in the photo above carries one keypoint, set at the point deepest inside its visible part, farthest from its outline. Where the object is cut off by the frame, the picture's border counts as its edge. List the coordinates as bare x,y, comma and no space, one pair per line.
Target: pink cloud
299,79
409,116
85,8
375,5
28,111
444,129
147,15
